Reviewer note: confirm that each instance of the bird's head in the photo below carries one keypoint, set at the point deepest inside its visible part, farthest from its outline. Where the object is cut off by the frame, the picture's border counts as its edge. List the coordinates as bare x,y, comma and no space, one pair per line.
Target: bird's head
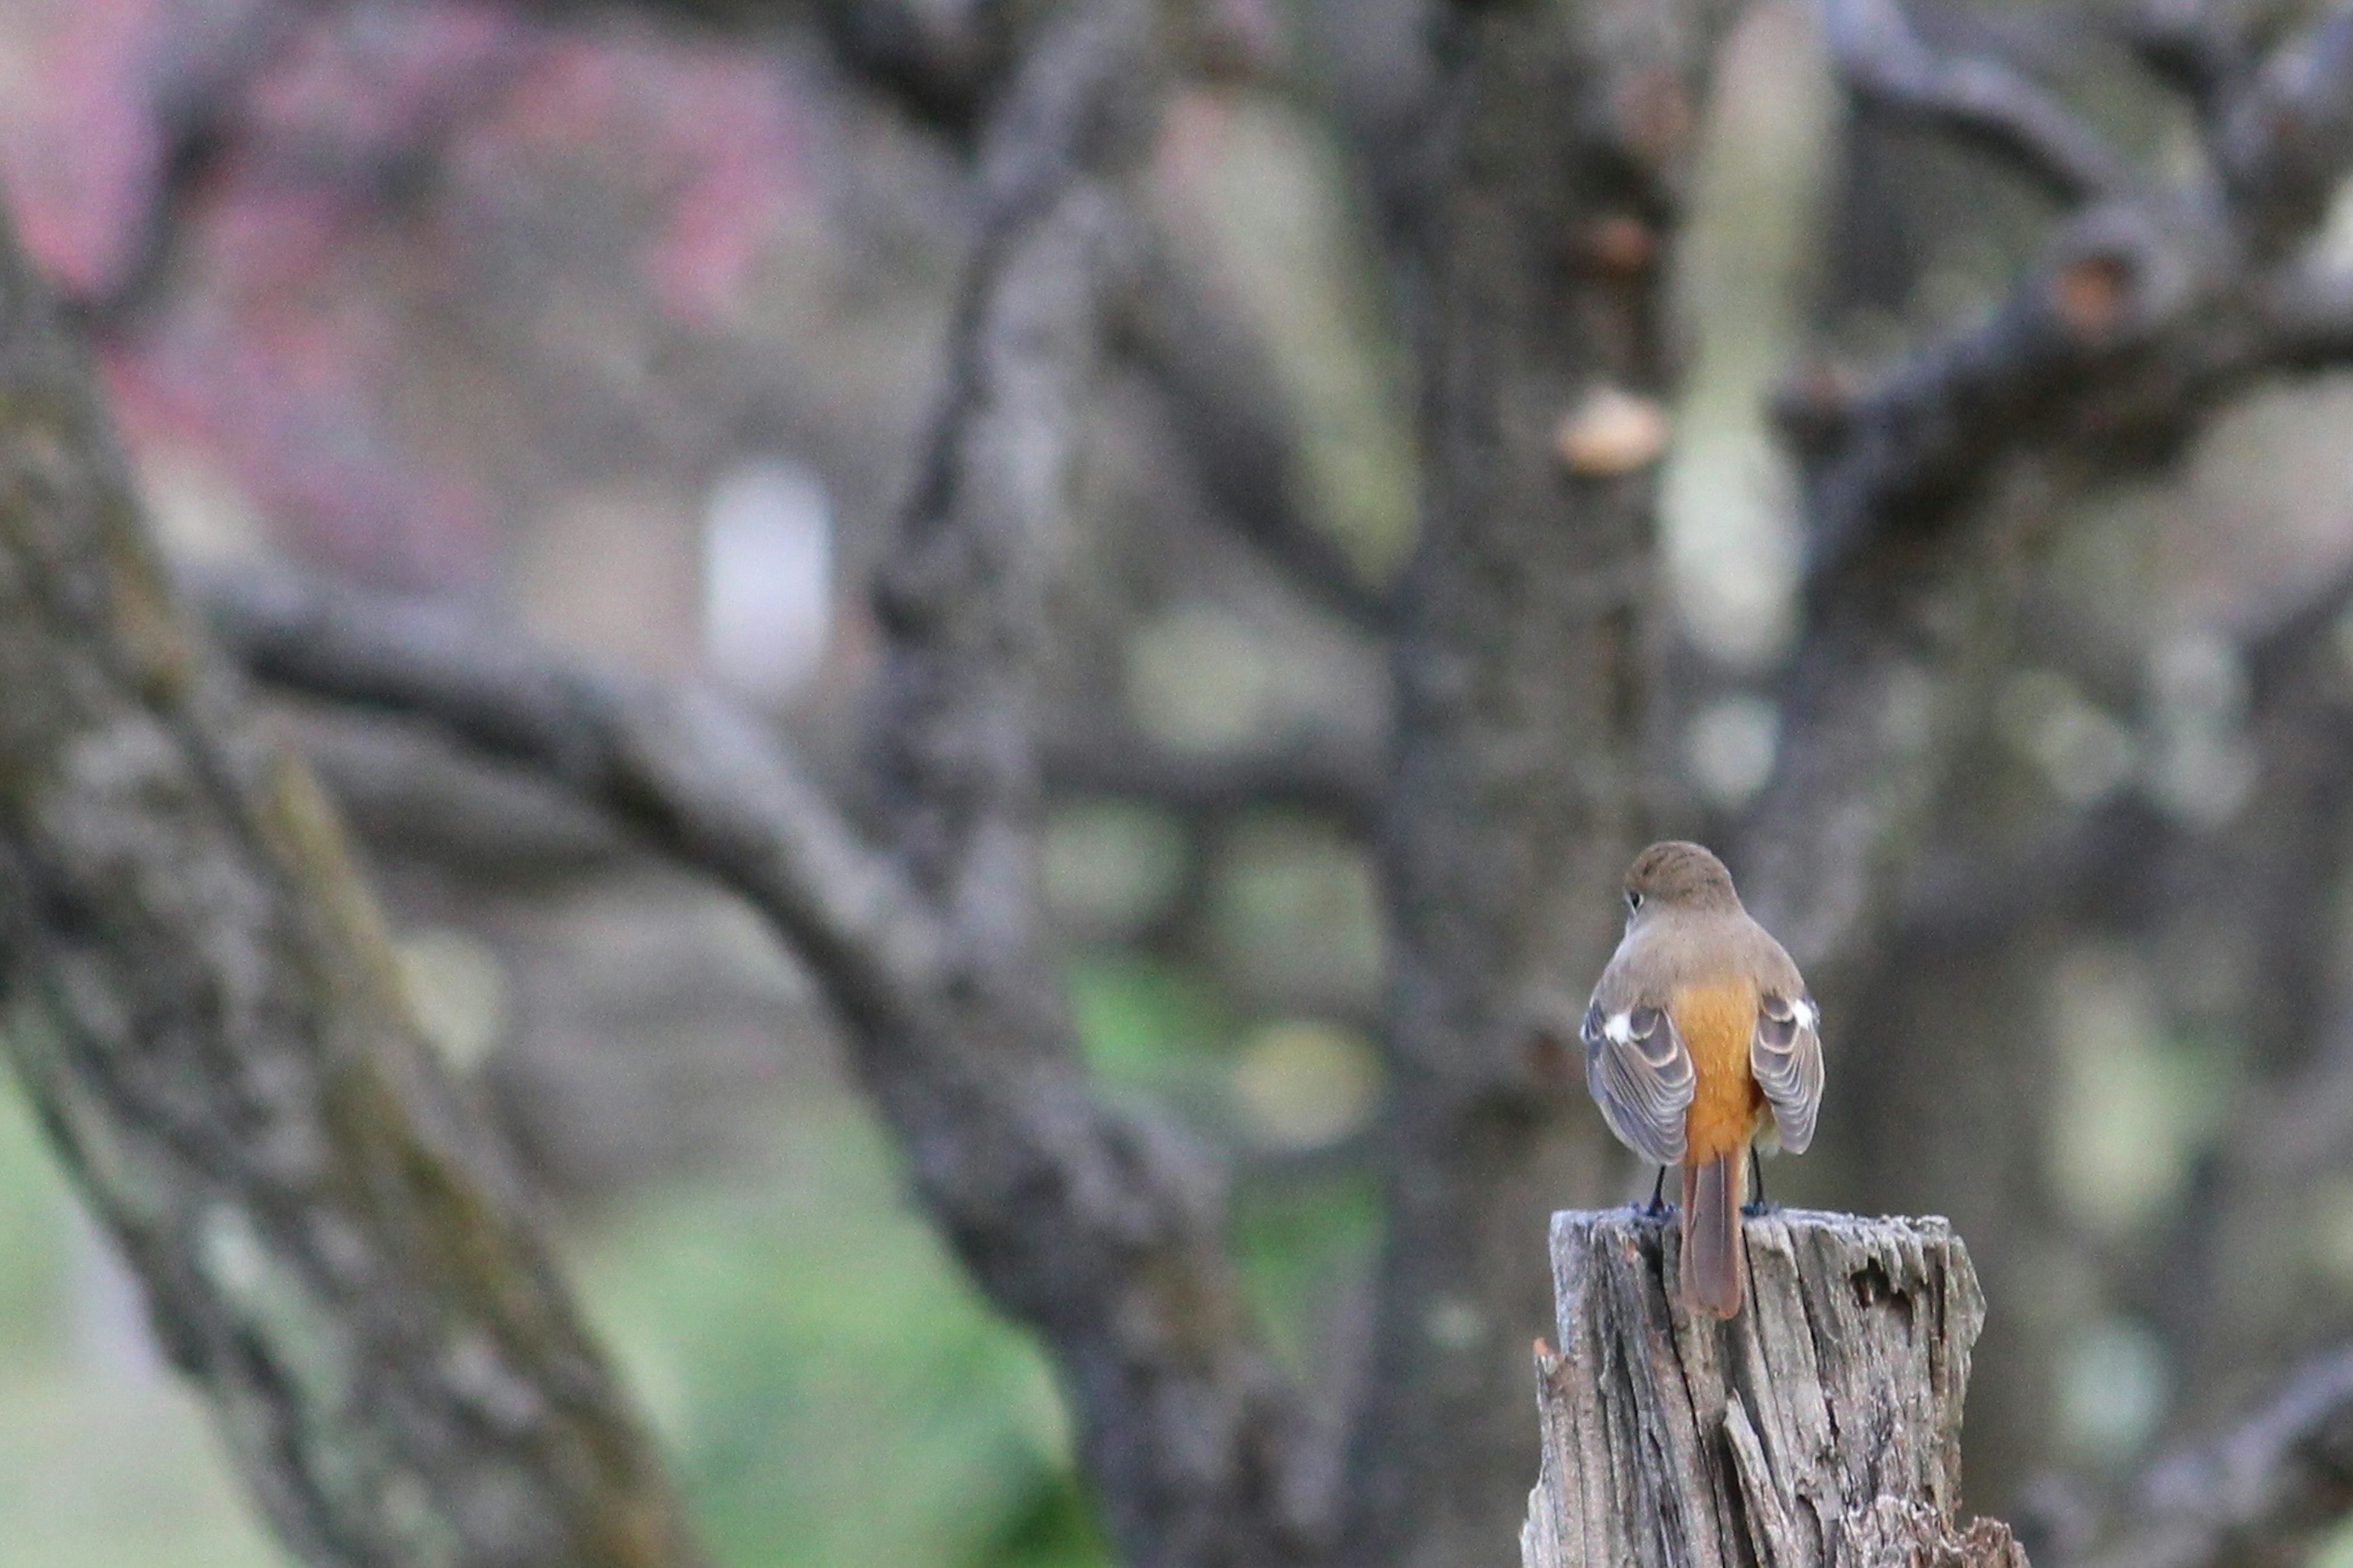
1676,875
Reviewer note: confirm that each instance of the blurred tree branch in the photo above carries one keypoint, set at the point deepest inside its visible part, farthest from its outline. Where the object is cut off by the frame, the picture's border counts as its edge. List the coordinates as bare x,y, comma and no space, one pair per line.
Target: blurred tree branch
702,781
2195,48
682,770
940,62
406,793
202,1006
1327,771
1925,483
1979,100
2271,881
2149,306
1223,398
2258,1493
1105,1233
198,90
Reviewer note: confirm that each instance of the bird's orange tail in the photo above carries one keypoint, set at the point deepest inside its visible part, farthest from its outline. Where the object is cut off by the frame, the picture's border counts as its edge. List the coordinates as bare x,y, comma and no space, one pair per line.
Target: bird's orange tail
1712,1255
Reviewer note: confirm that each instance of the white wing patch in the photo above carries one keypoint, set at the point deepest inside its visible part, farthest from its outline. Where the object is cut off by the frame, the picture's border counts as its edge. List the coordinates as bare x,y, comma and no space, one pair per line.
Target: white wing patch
1640,1077
1786,1056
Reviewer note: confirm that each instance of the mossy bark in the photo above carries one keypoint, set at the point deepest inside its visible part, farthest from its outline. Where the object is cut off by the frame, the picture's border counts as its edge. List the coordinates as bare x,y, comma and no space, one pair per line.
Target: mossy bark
201,1002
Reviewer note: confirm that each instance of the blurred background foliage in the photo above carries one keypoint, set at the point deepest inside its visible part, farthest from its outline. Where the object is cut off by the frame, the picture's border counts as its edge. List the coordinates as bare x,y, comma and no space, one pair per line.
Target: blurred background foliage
630,330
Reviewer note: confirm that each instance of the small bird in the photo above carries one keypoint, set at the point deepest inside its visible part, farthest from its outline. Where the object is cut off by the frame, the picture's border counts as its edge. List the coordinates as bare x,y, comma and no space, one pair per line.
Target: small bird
1701,1045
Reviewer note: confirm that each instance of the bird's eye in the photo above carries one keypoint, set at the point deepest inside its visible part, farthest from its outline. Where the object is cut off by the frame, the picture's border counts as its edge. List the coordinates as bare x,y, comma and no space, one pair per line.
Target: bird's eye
1633,901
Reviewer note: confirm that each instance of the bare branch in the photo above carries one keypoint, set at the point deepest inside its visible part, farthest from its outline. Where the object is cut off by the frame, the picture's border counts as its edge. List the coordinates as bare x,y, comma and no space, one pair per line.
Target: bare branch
2189,45
409,794
1979,101
709,786
1924,493
2258,1491
2142,316
1221,392
199,91
200,1000
939,62
2309,315
1919,440
2282,649
1104,1234
693,776
2139,315
2283,144
1322,772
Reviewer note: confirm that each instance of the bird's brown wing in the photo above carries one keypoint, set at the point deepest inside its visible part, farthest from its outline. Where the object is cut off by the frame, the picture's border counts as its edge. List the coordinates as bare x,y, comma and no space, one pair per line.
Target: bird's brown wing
1640,1076
1785,1056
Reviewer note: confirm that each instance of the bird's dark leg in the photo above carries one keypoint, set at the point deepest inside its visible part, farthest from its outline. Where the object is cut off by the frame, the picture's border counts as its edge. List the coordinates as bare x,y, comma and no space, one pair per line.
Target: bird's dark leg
1658,1205
1757,1203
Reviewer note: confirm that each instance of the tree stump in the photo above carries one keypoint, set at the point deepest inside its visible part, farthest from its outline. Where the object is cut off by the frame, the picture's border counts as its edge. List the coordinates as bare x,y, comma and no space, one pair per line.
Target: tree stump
1821,1426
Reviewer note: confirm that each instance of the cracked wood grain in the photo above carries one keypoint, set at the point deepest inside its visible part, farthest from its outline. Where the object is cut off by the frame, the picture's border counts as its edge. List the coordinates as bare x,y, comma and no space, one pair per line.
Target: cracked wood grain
1821,1426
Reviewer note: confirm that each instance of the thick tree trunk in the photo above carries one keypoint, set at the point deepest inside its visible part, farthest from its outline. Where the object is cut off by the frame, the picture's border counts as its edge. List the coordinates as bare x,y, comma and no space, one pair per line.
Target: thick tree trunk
200,1001
1521,664
1820,1426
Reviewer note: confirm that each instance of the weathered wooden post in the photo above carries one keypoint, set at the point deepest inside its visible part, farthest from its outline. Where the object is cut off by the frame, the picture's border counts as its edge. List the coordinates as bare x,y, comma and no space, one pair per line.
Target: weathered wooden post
1819,1429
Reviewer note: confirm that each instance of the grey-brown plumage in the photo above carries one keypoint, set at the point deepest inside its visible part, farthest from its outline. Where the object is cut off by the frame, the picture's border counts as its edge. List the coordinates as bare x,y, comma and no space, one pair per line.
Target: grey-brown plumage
1700,1040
